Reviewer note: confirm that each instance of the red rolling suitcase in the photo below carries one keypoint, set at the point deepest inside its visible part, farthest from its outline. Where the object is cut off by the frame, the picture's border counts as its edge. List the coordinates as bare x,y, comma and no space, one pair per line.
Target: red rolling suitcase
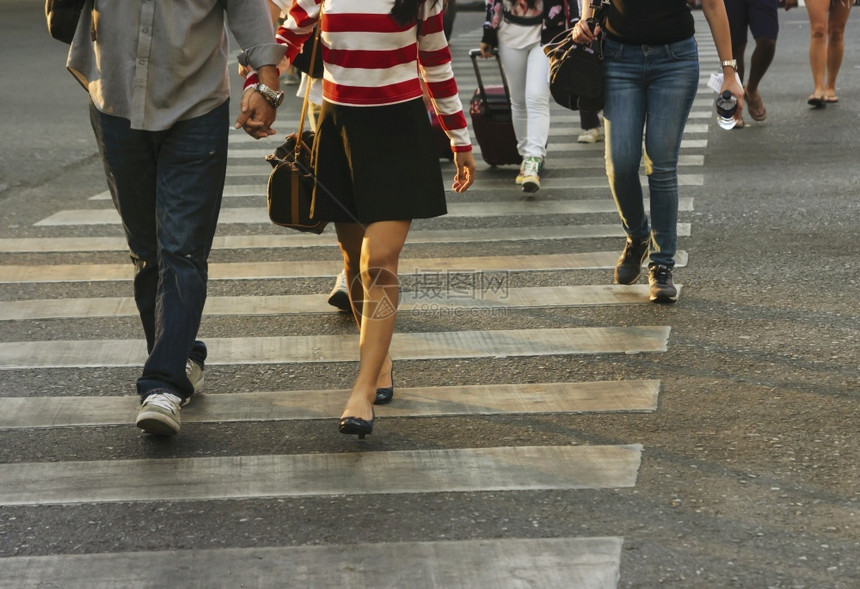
490,109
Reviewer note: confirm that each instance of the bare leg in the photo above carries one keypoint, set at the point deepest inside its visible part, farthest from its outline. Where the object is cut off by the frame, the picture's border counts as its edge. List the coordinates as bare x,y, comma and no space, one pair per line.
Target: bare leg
835,44
817,10
760,60
380,253
350,237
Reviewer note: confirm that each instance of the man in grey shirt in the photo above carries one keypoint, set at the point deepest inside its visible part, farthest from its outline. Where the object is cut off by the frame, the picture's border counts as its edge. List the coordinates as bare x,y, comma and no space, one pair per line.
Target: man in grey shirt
156,74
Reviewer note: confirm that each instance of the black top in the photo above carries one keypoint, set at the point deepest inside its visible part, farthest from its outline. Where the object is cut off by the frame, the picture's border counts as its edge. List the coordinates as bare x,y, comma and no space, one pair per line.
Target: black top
650,22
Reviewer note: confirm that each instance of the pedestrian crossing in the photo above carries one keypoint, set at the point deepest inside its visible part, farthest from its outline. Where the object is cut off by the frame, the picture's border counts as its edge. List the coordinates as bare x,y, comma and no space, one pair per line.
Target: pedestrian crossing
301,240
584,563
258,216
411,302
573,207
291,269
347,473
500,343
554,397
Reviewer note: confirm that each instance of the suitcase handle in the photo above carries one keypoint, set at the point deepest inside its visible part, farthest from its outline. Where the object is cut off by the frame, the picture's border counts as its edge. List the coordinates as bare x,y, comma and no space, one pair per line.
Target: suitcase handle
473,54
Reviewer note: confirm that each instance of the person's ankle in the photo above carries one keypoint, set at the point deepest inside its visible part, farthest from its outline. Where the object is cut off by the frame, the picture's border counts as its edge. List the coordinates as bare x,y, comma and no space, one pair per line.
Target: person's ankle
360,401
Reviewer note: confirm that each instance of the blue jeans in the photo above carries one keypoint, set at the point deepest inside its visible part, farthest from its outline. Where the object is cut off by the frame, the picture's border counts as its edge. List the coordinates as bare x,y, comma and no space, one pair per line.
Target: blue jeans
167,187
648,88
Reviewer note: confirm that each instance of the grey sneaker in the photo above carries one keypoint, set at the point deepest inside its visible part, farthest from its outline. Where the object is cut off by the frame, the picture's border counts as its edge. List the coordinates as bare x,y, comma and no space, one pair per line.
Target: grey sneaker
159,414
339,295
194,371
531,174
662,287
628,268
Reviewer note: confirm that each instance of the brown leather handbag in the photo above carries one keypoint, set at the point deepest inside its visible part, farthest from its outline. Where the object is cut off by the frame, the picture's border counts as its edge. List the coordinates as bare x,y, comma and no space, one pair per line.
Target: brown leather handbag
290,191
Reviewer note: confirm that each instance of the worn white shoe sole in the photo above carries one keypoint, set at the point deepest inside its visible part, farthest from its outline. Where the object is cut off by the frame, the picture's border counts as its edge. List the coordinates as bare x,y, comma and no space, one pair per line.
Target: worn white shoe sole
154,422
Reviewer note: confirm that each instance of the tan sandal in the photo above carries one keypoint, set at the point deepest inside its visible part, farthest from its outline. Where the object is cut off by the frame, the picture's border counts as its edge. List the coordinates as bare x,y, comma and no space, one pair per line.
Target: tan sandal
756,108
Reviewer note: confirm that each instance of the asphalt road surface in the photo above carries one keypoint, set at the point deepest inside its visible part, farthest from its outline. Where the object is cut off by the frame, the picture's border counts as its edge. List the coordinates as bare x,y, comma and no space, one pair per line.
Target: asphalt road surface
548,430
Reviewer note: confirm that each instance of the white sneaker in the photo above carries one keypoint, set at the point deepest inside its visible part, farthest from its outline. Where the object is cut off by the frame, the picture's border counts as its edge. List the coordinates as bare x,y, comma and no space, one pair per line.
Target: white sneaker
159,414
531,174
194,372
590,136
339,295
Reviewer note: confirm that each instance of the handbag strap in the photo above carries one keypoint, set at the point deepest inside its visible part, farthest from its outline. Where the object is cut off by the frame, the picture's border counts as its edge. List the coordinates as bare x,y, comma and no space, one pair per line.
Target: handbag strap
308,82
600,11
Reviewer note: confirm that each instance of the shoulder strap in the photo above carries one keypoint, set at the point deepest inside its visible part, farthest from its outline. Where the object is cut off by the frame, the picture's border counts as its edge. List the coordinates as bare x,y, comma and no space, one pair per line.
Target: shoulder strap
308,83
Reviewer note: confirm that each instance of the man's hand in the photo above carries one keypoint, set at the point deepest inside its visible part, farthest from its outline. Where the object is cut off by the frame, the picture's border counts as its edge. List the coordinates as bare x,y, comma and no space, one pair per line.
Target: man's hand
464,162
256,114
787,3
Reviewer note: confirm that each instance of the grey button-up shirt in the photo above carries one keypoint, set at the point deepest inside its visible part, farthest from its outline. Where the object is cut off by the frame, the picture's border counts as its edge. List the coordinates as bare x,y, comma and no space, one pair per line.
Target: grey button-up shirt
156,62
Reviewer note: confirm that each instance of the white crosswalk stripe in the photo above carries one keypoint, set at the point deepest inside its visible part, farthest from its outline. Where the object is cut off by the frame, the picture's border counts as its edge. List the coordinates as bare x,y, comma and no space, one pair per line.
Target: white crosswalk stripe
329,268
339,348
575,186
257,215
350,473
412,302
294,240
584,563
564,397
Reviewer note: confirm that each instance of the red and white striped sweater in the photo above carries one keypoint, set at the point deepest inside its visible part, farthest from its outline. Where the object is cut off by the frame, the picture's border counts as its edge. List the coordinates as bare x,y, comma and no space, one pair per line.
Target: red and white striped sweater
371,60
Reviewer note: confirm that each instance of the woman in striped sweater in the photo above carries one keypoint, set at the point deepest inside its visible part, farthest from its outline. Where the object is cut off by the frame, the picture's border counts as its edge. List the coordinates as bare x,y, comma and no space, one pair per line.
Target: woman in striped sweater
374,155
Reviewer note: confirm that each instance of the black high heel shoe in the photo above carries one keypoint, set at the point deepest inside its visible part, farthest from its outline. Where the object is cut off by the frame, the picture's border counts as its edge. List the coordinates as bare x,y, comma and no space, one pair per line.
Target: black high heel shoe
384,395
357,426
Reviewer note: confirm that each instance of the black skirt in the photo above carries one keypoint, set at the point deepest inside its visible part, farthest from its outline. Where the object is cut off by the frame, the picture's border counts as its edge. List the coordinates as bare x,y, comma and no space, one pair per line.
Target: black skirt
376,163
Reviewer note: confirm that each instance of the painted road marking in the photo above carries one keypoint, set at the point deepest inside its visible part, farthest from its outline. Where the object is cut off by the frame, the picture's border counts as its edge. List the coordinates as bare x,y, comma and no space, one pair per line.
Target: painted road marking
477,265
258,215
297,239
561,397
349,473
415,302
344,348
582,563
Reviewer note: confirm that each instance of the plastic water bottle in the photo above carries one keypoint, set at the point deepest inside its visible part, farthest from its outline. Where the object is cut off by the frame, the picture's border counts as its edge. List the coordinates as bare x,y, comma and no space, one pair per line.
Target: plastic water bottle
726,105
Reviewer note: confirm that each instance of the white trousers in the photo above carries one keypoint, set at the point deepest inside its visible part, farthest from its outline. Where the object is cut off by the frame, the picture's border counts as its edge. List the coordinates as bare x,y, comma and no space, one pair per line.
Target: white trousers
527,72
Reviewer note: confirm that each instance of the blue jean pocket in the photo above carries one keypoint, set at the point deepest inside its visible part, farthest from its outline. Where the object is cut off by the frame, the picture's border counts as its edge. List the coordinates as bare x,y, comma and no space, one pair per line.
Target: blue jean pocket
686,50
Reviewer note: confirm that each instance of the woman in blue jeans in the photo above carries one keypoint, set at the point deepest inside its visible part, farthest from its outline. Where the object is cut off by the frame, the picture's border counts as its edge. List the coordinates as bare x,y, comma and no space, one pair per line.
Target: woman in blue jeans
651,70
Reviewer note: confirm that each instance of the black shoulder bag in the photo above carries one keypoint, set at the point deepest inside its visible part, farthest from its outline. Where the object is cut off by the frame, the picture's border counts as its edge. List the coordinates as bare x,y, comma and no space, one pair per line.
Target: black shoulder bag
63,17
576,71
290,192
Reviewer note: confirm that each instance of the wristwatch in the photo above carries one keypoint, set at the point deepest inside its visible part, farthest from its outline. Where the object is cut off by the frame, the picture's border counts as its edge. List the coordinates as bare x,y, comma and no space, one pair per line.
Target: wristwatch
272,97
732,63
